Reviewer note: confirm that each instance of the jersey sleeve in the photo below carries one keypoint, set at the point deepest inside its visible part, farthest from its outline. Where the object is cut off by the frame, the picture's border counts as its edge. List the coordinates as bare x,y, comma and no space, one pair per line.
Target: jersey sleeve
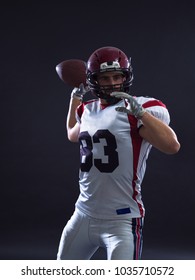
157,109
79,112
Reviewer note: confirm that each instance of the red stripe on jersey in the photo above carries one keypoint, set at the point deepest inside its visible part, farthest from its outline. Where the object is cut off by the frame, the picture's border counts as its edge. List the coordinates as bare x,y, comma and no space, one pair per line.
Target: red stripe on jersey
80,108
152,103
136,145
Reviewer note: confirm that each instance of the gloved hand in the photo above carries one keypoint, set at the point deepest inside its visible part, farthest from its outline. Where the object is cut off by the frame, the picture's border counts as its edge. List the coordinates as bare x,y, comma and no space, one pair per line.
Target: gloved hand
136,109
78,92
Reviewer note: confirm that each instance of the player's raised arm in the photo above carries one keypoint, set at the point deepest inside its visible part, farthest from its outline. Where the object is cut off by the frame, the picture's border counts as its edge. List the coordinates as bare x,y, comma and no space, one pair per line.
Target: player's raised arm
72,126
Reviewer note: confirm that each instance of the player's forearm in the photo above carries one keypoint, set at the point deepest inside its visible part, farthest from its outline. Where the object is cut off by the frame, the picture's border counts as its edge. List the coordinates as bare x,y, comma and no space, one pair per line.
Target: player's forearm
159,135
71,118
71,121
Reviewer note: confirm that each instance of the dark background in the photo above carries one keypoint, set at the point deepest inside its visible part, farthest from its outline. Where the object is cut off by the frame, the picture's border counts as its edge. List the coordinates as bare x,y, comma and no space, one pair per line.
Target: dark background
39,166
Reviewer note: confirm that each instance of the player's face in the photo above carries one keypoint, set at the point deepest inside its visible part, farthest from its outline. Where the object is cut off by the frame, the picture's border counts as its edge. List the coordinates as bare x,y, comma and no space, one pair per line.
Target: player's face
107,79
109,82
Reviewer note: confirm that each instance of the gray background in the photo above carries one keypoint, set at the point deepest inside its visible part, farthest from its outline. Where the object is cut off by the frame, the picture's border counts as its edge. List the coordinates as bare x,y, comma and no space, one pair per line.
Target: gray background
39,167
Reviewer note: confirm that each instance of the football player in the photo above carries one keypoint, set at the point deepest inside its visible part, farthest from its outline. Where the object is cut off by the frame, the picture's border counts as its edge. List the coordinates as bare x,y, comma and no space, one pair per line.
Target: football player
116,132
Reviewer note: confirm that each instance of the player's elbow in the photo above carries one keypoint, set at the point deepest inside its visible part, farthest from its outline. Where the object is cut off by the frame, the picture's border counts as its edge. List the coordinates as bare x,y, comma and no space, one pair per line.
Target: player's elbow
72,137
173,147
176,148
73,133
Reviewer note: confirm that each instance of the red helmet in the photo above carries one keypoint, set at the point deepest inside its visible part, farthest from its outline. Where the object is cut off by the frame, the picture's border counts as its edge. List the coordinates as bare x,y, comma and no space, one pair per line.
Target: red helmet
108,59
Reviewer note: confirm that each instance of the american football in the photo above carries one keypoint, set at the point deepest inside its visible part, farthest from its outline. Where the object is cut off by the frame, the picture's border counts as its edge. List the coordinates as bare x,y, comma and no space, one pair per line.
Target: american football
72,72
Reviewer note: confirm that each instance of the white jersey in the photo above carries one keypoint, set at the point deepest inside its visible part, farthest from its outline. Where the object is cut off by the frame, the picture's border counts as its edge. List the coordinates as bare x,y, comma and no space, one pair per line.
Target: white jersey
113,158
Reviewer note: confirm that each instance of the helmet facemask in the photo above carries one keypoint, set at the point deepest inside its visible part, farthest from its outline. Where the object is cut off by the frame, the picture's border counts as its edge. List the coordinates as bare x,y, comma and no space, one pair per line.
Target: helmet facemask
104,91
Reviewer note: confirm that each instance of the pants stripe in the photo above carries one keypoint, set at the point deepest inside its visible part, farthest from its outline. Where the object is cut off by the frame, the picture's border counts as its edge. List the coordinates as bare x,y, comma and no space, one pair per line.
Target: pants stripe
138,238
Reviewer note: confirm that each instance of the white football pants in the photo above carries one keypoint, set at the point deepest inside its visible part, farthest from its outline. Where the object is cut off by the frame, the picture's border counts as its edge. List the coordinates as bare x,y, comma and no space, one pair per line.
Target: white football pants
83,235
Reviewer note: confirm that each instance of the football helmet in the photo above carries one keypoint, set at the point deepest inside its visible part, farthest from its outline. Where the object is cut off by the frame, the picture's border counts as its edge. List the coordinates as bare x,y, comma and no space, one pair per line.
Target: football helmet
108,59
